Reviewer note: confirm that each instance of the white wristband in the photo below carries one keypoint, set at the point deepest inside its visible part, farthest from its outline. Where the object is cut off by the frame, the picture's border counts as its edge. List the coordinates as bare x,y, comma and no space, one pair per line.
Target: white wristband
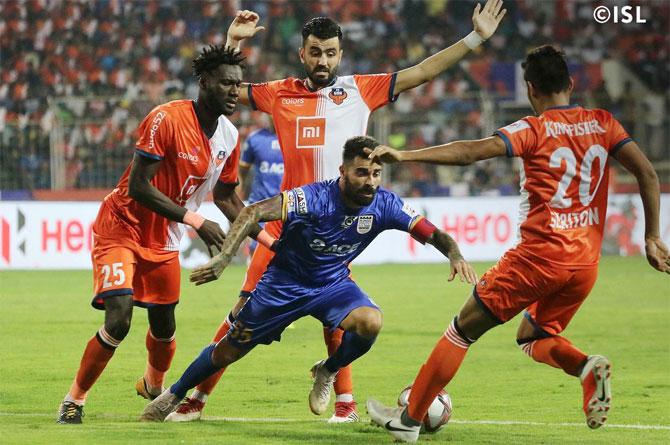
473,40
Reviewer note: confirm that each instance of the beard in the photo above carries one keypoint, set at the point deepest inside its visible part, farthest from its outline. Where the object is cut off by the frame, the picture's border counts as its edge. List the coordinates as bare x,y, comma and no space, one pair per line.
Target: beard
321,81
362,196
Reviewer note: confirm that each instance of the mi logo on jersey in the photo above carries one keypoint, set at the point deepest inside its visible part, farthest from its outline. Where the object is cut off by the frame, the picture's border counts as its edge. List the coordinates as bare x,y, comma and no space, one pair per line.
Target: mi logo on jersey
337,95
364,224
310,132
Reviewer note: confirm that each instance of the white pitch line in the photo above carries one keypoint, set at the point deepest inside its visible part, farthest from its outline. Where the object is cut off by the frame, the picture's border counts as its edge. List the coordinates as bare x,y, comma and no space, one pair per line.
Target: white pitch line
455,421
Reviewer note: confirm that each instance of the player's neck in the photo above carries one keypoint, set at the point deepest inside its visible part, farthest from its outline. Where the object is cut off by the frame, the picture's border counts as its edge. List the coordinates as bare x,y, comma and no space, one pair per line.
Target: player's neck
208,121
553,101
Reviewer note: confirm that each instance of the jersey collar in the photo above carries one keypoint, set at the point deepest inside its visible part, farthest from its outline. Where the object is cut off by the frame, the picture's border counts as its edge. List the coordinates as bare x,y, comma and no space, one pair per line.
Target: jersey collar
306,83
562,107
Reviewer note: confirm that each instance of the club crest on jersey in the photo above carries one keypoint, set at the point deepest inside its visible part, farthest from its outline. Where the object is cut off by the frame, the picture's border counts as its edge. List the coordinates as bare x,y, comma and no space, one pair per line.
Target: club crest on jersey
348,221
364,224
337,95
221,155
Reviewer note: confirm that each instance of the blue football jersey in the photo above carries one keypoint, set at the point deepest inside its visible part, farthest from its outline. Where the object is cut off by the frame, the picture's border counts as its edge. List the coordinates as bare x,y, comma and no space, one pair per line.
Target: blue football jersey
261,150
320,236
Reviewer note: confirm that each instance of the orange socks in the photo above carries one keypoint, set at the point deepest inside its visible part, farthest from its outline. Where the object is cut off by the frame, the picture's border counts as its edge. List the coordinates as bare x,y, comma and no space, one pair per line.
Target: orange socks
99,350
208,385
440,368
558,352
343,383
160,356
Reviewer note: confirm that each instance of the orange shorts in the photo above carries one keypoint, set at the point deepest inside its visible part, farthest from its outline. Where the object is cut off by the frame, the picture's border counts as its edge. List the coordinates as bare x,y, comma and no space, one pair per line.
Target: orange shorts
122,267
550,295
260,260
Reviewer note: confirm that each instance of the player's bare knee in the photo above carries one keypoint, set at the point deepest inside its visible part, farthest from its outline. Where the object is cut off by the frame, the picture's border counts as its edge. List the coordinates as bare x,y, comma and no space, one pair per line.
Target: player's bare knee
369,324
118,316
473,320
526,331
162,321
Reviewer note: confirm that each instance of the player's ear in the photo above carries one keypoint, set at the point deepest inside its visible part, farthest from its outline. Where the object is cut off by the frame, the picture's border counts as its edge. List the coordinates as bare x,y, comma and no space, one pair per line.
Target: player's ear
571,86
301,53
531,89
342,170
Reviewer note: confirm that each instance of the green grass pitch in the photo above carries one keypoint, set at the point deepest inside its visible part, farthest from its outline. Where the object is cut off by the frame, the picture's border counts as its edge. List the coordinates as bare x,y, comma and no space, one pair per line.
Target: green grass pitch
499,395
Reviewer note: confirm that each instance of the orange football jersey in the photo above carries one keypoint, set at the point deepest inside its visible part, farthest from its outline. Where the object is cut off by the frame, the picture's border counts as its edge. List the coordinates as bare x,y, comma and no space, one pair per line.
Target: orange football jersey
312,126
564,181
191,163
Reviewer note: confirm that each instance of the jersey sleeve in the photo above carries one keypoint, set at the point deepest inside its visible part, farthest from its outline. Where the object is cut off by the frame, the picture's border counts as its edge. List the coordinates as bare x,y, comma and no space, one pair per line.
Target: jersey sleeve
300,202
617,135
376,89
401,216
155,134
248,155
262,95
229,172
519,137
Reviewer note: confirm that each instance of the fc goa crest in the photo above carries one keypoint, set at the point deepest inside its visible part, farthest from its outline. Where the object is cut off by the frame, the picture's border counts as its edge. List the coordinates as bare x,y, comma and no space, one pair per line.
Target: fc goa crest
337,95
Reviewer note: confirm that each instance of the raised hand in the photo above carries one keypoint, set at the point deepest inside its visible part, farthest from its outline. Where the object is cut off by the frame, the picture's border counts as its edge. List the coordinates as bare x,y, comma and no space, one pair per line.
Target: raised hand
385,154
244,26
657,254
486,20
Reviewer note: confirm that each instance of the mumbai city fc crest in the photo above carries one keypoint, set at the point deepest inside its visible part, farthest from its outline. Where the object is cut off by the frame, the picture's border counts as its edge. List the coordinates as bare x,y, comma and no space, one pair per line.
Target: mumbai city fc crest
364,224
348,221
337,95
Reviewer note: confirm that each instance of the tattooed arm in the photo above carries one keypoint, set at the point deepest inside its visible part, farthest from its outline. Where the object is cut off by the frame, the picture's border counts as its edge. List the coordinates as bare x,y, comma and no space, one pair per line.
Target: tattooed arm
246,222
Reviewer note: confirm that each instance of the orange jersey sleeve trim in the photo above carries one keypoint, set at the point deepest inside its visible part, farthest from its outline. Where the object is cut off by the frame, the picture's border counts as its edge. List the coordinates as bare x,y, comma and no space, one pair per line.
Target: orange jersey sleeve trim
376,89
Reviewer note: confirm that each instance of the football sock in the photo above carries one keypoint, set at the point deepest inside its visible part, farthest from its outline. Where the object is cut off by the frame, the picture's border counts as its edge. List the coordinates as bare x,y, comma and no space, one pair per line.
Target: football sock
201,368
558,352
99,350
208,385
343,384
161,351
352,347
346,398
440,368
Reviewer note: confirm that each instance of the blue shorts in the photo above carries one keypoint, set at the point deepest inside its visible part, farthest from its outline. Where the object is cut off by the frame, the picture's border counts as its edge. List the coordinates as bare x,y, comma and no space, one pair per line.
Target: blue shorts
276,303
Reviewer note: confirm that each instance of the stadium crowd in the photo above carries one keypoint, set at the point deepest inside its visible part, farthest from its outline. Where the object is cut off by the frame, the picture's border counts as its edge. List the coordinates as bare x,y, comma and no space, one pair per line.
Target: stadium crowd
77,76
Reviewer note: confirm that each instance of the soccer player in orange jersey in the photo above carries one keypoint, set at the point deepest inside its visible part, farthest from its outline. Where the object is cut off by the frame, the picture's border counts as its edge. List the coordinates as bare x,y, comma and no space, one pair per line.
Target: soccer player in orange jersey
313,117
566,151
184,150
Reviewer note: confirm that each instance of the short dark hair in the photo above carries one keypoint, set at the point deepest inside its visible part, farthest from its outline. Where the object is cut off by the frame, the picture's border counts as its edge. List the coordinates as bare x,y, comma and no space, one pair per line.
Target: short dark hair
211,57
545,67
353,148
322,28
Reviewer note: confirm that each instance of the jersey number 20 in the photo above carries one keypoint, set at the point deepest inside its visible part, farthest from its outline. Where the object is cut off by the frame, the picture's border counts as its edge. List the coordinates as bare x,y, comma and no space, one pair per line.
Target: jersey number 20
560,200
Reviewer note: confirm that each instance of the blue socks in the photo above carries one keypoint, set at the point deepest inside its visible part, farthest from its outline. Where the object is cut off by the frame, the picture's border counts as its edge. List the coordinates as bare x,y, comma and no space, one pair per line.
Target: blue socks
352,347
201,368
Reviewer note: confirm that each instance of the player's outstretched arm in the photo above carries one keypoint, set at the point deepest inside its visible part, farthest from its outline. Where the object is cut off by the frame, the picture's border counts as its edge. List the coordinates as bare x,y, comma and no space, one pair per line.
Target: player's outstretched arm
243,27
633,160
141,190
485,21
453,153
267,210
447,245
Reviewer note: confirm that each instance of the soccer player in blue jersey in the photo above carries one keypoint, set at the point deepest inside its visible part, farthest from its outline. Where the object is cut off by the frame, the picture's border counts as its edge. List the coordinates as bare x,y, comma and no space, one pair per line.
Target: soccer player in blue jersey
261,155
326,225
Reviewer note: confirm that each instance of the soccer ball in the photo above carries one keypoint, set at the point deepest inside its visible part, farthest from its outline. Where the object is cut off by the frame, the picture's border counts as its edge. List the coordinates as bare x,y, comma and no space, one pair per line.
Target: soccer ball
438,414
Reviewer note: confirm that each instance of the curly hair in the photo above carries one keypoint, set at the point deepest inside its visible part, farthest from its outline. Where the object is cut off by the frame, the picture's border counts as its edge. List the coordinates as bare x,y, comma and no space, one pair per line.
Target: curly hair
354,147
210,58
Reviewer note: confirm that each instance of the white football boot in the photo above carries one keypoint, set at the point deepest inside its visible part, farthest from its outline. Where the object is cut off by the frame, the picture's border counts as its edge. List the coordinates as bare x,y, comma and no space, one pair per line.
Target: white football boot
160,407
389,419
319,396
